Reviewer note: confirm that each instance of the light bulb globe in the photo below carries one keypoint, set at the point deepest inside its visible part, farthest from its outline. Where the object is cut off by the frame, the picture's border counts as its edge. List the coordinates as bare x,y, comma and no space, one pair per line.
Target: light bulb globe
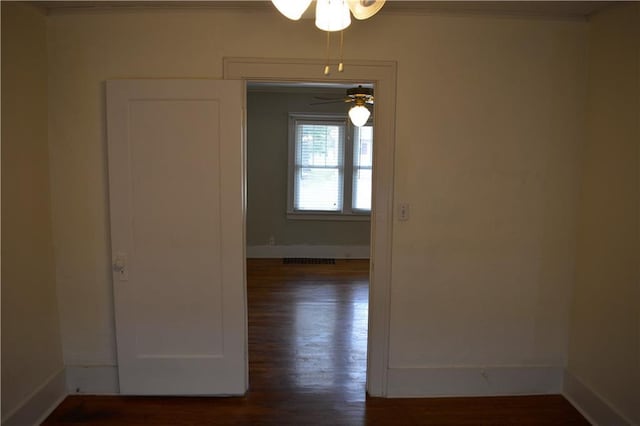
332,15
359,114
292,9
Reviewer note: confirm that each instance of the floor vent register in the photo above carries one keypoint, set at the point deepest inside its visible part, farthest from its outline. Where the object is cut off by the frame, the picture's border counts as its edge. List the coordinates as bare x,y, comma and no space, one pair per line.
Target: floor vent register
307,261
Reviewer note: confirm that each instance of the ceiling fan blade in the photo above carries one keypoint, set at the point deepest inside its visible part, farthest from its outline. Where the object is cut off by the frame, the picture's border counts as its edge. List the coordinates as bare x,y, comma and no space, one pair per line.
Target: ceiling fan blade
335,101
327,98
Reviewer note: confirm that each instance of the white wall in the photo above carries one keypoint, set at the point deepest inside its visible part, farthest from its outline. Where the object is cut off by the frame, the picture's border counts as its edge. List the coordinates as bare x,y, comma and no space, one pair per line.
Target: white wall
267,167
32,378
488,159
604,355
489,122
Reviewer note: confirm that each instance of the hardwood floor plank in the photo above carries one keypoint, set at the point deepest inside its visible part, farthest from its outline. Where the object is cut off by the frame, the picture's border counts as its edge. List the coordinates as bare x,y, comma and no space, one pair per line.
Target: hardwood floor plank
307,366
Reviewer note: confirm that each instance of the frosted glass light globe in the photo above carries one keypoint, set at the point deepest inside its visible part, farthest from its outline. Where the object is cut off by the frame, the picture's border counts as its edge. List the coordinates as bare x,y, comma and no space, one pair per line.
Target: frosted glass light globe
332,15
292,9
359,114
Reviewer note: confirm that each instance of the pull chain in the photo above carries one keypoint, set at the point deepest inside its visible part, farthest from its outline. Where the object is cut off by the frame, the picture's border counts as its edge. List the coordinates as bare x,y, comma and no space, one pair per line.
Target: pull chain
326,67
341,65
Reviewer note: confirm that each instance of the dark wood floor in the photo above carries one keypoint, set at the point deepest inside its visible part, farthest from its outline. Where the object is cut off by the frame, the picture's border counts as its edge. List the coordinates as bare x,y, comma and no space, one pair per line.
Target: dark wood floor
307,364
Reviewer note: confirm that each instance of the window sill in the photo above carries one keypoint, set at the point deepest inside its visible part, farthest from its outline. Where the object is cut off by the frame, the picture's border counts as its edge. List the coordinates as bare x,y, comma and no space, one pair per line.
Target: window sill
348,217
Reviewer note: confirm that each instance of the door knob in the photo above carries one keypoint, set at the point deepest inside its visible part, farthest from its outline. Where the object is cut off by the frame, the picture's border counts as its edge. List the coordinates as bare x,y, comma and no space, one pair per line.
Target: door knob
120,266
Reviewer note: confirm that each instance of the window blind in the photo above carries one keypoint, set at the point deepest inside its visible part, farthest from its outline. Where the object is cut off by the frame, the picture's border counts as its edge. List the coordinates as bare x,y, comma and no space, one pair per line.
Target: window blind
319,154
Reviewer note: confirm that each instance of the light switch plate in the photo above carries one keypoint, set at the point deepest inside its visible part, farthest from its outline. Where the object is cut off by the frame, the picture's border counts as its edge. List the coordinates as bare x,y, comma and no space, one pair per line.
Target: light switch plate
403,212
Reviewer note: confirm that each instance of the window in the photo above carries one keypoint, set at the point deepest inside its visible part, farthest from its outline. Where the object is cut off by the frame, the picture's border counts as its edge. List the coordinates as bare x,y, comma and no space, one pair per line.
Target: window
330,168
362,166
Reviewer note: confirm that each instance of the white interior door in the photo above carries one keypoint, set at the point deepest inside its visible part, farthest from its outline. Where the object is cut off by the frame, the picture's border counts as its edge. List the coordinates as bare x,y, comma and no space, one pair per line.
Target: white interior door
176,173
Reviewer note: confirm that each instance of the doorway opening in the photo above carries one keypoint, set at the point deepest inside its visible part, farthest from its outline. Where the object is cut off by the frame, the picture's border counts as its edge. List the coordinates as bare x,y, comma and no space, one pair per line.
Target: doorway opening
309,180
384,75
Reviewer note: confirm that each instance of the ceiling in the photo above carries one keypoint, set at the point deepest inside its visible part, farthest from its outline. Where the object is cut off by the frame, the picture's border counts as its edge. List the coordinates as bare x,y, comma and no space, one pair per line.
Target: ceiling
546,9
557,9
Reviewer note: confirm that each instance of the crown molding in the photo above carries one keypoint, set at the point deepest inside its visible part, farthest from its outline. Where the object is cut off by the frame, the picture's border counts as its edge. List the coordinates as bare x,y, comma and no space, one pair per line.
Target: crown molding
543,9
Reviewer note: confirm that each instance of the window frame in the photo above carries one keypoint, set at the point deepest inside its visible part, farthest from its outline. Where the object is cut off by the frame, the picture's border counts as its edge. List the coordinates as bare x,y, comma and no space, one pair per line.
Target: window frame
348,213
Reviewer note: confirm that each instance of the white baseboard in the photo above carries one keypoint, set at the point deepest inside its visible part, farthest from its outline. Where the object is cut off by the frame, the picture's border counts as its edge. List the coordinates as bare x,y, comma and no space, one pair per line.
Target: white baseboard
93,379
473,381
591,405
42,401
302,250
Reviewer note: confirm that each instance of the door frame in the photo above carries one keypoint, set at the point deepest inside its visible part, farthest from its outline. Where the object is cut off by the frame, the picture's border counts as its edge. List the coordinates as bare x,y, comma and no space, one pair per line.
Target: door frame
383,75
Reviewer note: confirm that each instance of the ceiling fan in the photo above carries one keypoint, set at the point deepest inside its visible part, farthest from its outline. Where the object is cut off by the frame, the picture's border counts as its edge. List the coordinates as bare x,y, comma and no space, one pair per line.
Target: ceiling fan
360,97
331,16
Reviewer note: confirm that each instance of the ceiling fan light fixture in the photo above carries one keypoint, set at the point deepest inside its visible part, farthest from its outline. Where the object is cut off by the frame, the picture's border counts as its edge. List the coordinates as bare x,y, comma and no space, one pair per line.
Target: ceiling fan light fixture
292,9
365,9
332,15
359,114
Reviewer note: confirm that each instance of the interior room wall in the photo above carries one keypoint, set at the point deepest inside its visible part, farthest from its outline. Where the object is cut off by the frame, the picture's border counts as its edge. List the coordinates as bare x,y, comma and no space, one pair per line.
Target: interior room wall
267,168
488,127
604,352
32,365
487,146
